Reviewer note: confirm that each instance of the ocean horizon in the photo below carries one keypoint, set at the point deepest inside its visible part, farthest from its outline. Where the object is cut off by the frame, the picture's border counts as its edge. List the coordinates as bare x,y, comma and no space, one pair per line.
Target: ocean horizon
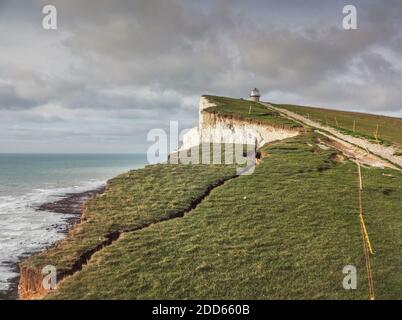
28,180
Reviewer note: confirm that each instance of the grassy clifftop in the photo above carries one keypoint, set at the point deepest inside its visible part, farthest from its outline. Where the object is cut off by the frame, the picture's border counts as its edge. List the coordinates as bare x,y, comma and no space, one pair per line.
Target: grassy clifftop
284,232
248,110
132,201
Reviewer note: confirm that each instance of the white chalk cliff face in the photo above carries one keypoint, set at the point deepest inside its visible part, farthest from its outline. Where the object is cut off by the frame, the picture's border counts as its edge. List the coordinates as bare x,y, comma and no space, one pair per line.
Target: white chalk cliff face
220,129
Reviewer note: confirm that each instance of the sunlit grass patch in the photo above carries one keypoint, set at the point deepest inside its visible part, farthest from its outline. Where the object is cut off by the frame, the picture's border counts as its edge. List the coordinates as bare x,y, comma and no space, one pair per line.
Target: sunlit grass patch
248,110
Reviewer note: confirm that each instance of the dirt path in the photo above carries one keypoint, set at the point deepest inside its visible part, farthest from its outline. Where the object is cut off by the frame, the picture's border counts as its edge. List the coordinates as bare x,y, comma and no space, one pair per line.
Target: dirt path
352,152
382,152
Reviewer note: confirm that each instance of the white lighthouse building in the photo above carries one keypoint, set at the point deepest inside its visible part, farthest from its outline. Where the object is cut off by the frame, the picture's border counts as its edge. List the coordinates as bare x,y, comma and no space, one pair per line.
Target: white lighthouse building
255,95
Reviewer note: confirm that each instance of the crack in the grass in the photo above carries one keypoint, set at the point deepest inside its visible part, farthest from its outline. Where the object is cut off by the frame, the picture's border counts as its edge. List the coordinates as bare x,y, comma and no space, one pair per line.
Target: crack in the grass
114,236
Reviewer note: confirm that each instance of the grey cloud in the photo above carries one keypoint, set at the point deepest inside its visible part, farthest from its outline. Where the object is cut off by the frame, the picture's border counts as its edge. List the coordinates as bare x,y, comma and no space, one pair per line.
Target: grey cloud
148,61
9,99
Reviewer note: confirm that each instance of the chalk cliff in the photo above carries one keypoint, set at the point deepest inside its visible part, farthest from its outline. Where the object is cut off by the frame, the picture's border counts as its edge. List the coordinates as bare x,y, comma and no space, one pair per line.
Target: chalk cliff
216,128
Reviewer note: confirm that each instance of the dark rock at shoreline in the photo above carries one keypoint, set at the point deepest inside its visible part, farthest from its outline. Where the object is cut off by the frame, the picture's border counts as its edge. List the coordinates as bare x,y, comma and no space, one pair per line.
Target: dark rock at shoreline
71,203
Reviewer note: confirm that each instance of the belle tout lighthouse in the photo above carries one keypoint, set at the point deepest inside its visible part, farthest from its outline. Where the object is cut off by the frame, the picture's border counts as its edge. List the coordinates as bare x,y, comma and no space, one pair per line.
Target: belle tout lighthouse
255,95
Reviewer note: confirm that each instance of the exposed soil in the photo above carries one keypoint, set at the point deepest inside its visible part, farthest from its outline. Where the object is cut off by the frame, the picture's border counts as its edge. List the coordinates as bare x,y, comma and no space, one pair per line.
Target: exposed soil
352,152
356,148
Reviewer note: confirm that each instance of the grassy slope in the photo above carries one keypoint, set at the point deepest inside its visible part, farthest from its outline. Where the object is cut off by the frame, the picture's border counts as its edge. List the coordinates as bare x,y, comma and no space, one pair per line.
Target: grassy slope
240,108
383,202
390,129
132,200
289,238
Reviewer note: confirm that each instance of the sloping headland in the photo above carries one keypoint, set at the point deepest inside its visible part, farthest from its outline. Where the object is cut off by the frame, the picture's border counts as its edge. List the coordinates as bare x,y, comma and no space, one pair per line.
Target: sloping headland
197,231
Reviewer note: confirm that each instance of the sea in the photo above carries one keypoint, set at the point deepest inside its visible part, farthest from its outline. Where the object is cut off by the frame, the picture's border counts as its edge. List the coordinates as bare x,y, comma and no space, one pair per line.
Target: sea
29,180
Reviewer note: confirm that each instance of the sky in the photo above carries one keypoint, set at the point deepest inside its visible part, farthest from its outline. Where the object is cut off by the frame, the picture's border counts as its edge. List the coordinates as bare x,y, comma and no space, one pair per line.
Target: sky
114,70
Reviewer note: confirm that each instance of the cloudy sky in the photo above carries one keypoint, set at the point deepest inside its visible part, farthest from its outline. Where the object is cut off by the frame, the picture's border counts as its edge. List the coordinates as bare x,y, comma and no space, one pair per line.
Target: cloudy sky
113,70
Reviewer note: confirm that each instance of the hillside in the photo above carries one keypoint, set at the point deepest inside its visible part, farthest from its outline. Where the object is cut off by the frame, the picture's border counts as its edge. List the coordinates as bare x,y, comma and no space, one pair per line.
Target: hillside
364,125
200,232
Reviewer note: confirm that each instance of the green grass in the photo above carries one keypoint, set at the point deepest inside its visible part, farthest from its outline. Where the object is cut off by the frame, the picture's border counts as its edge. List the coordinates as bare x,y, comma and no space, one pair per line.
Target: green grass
239,108
390,129
382,200
284,232
132,200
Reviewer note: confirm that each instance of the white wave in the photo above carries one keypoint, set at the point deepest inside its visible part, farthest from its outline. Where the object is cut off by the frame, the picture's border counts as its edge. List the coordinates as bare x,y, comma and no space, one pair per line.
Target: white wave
24,230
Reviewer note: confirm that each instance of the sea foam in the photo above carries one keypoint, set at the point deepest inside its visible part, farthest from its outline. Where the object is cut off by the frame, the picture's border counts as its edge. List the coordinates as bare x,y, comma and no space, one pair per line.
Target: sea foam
25,230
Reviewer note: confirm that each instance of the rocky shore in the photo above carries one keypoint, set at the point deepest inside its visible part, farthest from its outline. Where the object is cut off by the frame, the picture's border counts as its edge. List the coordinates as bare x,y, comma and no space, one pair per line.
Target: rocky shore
70,203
